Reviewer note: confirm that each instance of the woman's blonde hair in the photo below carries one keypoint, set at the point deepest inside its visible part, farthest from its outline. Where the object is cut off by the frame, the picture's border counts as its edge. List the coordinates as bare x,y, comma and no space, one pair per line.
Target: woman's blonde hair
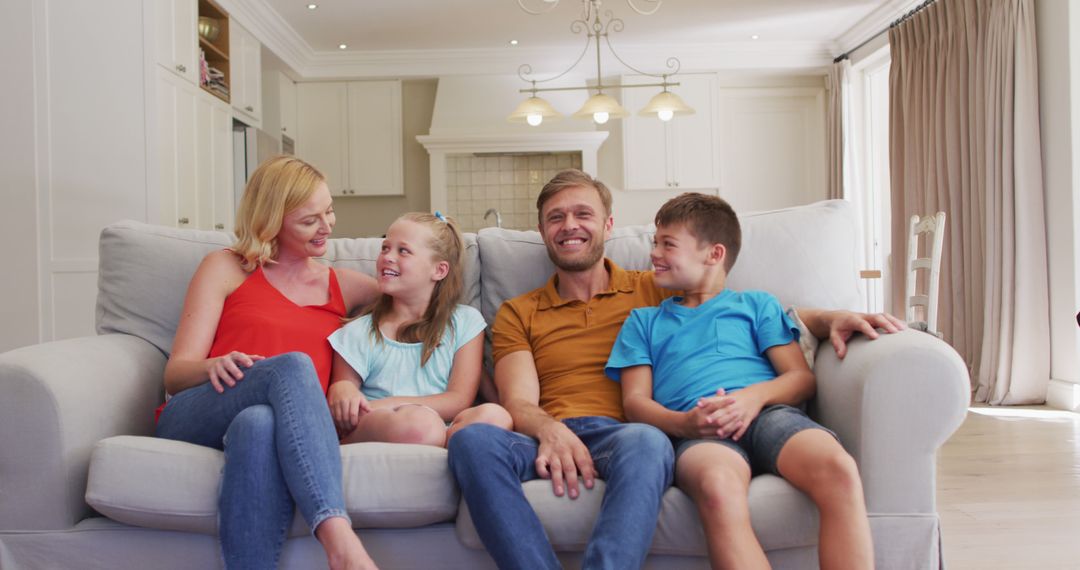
277,187
447,245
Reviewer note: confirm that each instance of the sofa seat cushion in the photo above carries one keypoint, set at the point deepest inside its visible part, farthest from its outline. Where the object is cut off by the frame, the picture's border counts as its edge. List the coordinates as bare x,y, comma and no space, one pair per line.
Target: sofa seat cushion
782,517
172,485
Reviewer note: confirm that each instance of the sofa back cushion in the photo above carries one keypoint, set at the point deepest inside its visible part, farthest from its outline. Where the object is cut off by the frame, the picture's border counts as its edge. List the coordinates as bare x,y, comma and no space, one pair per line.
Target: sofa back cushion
144,272
807,256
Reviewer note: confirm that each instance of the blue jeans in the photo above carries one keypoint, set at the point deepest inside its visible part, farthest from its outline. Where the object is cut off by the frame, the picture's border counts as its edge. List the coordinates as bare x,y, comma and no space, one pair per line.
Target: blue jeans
635,461
280,448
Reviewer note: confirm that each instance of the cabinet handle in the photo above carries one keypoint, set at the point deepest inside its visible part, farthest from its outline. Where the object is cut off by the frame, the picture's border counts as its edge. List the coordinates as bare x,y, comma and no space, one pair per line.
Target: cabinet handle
250,109
181,68
219,226
183,221
676,184
283,129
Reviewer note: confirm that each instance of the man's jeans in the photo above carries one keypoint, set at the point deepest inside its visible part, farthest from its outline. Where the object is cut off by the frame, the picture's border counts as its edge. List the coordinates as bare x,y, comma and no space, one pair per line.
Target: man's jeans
280,449
635,461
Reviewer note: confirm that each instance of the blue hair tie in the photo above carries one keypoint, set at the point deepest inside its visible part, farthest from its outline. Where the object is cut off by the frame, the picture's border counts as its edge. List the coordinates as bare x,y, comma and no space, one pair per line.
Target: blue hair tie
440,217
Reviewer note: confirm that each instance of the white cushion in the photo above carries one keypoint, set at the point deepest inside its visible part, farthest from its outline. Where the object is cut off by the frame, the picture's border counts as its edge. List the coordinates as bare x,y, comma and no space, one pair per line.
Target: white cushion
807,256
144,272
781,516
172,485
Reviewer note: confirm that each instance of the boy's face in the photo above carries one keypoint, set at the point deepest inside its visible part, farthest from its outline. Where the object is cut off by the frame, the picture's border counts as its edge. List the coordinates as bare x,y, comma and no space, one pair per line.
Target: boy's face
679,259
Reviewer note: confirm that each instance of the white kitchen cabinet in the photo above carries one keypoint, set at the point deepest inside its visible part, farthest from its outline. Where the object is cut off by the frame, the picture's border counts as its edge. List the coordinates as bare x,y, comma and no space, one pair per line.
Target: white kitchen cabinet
351,131
287,103
177,38
680,153
194,151
246,82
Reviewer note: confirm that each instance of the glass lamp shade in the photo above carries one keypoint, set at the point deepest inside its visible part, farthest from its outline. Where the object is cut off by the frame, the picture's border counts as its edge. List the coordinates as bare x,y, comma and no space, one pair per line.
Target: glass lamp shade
534,111
666,105
600,108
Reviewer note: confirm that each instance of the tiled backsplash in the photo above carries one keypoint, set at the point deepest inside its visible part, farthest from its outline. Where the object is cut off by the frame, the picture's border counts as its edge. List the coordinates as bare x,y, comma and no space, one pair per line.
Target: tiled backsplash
507,183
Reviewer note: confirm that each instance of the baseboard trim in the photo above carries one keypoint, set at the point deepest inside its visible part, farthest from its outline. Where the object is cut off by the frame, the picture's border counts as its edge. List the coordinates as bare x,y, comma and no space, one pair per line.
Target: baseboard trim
1063,395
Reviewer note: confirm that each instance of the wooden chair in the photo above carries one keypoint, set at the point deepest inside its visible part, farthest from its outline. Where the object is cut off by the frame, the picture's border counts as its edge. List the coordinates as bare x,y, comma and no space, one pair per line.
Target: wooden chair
933,228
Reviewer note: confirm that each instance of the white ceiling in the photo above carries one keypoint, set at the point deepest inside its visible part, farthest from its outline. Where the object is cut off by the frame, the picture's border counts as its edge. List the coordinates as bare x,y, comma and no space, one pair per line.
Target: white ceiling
433,37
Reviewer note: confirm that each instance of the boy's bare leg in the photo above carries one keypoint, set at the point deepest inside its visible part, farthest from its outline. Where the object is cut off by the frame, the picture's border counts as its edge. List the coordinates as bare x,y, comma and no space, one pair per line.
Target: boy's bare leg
816,464
401,424
717,478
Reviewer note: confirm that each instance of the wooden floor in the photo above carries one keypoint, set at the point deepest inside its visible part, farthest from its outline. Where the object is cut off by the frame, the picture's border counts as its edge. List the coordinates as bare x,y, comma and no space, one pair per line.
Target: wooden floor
1009,490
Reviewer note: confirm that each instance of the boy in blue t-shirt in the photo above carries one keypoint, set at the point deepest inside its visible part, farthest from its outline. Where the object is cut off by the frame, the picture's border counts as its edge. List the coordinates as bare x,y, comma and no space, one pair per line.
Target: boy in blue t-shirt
723,369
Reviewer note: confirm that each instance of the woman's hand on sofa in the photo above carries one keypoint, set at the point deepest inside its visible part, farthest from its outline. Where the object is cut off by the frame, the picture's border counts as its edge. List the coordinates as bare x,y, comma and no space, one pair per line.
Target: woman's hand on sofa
226,370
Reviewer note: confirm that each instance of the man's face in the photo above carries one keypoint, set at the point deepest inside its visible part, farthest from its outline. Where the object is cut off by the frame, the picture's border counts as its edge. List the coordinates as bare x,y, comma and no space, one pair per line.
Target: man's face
574,226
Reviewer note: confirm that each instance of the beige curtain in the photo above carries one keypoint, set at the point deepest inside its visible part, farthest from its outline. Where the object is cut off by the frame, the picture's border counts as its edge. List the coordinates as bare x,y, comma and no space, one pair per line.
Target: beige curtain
834,130
964,139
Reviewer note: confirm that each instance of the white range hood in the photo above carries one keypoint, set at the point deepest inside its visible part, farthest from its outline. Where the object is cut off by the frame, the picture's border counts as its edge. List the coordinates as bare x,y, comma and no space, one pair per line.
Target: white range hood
470,117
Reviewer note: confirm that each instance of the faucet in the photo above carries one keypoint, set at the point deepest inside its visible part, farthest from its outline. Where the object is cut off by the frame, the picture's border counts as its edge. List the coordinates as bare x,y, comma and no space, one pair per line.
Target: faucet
498,216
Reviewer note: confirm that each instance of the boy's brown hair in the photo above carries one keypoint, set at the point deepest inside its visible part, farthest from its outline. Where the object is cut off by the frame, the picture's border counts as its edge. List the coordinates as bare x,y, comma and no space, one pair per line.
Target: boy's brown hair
710,219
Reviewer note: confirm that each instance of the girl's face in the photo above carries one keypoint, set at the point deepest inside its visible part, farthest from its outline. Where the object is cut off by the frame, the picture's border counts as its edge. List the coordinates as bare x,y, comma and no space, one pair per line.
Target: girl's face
304,231
407,266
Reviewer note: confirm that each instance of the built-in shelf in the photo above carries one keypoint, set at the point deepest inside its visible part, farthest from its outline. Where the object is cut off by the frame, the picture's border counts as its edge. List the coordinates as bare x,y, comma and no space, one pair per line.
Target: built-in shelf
216,50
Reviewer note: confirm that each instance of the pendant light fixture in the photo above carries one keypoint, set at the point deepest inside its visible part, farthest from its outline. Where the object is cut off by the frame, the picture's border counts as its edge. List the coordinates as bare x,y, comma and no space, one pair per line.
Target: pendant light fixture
600,107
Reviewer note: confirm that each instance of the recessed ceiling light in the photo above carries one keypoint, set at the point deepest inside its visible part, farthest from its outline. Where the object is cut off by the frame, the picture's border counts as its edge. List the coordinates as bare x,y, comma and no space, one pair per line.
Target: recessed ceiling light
342,46
513,42
312,6
754,37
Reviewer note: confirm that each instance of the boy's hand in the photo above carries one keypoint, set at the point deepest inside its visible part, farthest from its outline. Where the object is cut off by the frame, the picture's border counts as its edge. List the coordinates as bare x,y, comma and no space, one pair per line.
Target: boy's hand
698,422
347,405
731,414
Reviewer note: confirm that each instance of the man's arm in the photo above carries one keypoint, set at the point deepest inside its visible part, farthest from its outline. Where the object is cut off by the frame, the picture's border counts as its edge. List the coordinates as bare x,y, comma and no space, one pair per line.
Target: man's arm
838,326
561,454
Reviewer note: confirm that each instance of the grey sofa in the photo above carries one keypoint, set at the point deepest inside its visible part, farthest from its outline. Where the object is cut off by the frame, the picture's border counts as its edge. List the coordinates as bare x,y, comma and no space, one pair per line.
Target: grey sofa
83,486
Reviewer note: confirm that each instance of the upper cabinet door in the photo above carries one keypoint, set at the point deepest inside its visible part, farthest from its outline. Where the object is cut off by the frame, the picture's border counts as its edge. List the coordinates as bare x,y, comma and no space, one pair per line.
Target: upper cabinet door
375,148
177,24
645,154
693,145
323,137
287,92
246,89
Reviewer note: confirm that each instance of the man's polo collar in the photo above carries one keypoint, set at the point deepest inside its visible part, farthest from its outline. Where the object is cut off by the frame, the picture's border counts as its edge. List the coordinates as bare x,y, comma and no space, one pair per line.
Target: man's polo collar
619,281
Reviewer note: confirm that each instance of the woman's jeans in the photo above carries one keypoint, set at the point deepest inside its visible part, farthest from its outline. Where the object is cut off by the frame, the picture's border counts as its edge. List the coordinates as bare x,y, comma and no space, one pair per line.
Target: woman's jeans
635,461
280,449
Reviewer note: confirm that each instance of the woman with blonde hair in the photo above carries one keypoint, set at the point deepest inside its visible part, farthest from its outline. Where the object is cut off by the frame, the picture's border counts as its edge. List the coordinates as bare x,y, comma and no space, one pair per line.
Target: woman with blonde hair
250,366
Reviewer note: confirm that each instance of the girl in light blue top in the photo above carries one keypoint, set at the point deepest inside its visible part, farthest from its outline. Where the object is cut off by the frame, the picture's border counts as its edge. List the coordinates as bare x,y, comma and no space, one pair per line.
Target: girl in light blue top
408,368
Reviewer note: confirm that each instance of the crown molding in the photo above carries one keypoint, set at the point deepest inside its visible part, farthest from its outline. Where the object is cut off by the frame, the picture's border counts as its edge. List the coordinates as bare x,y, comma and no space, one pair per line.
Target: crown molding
872,24
547,62
272,31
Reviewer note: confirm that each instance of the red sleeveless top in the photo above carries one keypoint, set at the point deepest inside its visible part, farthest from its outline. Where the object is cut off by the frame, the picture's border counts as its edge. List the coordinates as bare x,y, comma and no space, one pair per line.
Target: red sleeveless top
258,319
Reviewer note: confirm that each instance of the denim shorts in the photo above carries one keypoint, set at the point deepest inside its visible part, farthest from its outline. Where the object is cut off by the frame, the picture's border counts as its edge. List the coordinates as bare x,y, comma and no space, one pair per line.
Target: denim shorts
761,444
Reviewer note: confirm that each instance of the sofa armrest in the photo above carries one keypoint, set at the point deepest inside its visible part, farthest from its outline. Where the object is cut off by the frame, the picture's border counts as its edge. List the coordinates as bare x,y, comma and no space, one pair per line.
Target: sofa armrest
56,401
893,402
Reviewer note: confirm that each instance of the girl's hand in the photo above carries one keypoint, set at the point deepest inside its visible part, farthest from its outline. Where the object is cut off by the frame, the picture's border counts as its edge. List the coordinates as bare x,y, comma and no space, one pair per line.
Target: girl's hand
347,405
226,370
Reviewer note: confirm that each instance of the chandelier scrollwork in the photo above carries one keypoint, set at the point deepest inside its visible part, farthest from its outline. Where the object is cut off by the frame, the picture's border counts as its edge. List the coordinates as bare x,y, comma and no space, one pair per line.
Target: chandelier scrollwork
599,107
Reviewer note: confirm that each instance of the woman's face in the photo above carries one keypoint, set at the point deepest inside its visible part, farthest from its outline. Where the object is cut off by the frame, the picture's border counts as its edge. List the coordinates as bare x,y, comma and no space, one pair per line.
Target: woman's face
304,231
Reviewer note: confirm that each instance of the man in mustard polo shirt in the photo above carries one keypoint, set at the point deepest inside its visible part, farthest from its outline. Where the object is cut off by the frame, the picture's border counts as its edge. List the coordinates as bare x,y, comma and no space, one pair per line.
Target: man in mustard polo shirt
550,347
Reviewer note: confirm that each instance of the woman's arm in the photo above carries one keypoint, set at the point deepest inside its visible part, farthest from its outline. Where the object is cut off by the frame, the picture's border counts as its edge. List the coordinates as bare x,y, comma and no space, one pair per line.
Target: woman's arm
460,391
358,289
217,277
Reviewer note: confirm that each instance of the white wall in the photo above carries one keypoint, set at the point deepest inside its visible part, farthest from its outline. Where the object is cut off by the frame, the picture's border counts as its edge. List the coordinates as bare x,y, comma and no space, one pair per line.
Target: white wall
76,153
1058,25
18,216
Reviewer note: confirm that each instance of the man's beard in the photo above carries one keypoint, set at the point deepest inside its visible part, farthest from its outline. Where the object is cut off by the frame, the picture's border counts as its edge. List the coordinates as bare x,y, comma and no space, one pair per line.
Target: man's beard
586,261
